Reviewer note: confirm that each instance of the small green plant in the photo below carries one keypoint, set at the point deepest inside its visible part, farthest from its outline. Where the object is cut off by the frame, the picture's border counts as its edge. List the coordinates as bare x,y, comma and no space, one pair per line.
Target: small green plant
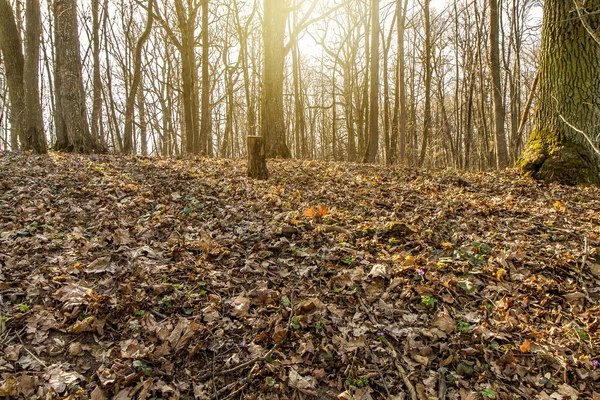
465,368
348,260
140,313
463,326
359,383
177,286
286,302
320,325
583,335
429,301
166,301
337,291
24,308
141,365
296,324
488,393
495,345
270,381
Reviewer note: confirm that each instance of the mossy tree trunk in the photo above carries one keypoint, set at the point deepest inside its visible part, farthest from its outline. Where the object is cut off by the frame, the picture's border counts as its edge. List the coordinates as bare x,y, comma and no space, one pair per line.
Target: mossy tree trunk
569,97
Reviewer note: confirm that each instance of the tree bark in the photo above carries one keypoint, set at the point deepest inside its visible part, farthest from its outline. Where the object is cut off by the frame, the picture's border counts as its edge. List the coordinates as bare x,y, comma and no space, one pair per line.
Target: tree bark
499,111
141,104
568,107
272,118
97,82
137,77
373,141
428,74
205,120
11,47
71,94
257,164
35,138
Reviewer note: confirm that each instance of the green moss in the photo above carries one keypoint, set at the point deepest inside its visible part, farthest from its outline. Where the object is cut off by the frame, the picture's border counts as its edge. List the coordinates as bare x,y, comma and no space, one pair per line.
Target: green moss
566,163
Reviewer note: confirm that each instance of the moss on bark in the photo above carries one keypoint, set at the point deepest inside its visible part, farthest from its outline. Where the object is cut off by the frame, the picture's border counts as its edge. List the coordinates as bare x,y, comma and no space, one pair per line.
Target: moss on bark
567,162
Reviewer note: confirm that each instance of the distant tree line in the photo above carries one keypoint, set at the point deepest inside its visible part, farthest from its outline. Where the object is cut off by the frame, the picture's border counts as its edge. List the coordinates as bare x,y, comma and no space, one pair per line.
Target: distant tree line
389,81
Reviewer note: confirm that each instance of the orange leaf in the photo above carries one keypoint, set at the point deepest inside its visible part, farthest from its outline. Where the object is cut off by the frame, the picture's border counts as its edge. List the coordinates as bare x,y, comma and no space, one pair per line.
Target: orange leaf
323,210
525,346
311,212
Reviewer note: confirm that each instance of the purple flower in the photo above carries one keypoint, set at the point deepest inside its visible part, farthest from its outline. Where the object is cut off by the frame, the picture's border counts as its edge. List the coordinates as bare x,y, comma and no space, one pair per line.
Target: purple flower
380,334
420,272
596,363
244,344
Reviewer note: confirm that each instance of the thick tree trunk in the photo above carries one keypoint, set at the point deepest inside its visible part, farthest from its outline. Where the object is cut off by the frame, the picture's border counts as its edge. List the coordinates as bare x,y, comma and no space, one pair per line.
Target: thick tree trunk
373,141
272,118
186,19
35,139
71,95
568,99
11,47
499,112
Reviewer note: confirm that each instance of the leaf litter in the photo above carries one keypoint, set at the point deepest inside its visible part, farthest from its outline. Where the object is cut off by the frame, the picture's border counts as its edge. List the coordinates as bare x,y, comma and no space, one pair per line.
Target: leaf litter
166,278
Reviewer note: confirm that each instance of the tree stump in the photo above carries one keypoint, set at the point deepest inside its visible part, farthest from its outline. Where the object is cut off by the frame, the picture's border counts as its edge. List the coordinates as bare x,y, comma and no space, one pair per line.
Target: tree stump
257,162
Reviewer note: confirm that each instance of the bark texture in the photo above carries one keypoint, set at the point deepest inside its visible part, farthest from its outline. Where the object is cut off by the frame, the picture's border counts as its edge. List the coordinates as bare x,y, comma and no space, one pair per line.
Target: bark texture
499,111
128,147
373,141
206,120
71,96
272,118
569,99
257,163
12,51
35,138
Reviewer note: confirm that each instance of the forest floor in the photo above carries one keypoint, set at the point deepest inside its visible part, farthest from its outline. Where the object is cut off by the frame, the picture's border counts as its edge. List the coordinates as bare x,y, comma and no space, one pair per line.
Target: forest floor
149,278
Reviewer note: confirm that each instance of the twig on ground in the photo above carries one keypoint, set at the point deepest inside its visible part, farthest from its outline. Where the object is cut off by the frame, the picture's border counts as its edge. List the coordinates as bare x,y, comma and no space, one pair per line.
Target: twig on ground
30,353
378,370
159,315
237,367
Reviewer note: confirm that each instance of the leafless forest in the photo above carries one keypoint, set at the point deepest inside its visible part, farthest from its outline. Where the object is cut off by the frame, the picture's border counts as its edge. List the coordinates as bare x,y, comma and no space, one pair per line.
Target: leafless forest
189,78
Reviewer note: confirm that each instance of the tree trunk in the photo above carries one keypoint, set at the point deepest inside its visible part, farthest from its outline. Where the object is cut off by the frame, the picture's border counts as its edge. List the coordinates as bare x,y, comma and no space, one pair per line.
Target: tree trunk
428,74
568,107
97,82
11,47
499,112
141,104
71,95
401,88
205,121
128,147
272,118
35,138
257,164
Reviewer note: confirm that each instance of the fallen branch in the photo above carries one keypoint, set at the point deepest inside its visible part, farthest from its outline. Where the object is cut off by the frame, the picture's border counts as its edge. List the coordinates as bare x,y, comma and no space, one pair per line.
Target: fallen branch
238,367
